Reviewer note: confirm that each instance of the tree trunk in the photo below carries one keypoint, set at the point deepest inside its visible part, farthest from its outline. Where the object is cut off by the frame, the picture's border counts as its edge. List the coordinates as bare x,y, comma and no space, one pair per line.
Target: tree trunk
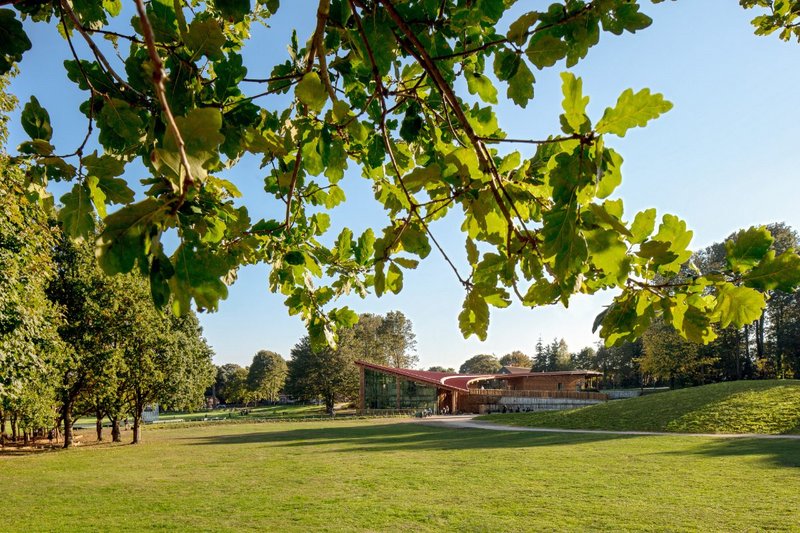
66,416
760,338
2,428
738,355
136,429
115,434
13,427
99,426
329,404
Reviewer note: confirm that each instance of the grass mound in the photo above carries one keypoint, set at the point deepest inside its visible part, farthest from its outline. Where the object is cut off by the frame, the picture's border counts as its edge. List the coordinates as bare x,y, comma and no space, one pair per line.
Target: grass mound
770,407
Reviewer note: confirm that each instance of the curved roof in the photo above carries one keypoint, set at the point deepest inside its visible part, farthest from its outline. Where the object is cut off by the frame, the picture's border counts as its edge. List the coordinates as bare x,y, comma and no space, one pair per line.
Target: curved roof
455,381
444,380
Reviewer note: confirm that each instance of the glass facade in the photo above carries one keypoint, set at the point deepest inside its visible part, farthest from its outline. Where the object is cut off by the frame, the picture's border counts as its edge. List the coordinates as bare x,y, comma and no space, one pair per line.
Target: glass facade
380,392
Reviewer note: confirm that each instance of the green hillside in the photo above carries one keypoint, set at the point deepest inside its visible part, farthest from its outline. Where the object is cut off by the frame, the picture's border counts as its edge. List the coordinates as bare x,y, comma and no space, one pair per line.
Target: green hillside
737,407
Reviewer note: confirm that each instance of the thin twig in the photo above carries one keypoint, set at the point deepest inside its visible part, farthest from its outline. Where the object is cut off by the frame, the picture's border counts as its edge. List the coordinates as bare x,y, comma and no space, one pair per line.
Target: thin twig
92,92
449,97
531,141
95,50
413,206
316,42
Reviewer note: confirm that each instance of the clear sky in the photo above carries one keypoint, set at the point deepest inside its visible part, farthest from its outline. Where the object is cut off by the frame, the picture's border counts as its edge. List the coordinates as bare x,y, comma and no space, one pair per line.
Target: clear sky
725,157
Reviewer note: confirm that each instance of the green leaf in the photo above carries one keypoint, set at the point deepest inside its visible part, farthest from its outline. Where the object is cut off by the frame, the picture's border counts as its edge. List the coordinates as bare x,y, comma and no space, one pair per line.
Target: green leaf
625,17
574,104
233,10
200,131
632,110
312,156
126,236
747,248
13,40
121,128
544,50
97,195
205,37
294,258
101,178
36,120
311,92
668,247
365,247
611,175
472,252
114,7
161,270
474,316
420,176
738,305
77,214
643,225
518,31
479,84
775,273
541,293
344,244
379,281
394,279
197,275
563,242
405,262
609,254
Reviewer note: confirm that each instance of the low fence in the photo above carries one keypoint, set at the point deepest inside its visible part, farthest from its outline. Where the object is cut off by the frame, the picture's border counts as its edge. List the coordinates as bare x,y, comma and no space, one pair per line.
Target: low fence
388,412
511,393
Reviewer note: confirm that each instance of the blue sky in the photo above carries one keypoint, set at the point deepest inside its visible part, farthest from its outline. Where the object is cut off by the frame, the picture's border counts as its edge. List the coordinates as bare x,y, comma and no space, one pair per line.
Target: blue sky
724,158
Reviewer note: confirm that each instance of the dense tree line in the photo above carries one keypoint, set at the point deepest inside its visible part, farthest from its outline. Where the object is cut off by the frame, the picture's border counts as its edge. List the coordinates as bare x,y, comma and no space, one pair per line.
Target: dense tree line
76,342
113,353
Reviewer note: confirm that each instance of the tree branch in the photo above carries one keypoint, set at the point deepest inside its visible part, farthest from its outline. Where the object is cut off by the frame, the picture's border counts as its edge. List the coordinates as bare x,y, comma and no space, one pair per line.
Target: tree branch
95,50
158,83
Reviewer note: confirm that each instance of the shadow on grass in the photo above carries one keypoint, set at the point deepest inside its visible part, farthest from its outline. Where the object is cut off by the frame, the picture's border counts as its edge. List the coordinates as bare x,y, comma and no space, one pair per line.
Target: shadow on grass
400,437
781,452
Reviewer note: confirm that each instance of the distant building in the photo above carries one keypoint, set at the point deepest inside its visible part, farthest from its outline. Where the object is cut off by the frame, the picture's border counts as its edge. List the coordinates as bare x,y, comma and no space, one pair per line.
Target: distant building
513,389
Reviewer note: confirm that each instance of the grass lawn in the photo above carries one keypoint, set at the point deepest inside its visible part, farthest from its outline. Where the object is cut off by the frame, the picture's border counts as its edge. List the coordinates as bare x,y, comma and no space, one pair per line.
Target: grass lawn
737,407
387,475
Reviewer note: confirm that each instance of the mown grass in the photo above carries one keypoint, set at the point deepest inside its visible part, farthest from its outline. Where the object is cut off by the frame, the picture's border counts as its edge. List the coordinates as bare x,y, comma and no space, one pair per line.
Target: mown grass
389,476
770,407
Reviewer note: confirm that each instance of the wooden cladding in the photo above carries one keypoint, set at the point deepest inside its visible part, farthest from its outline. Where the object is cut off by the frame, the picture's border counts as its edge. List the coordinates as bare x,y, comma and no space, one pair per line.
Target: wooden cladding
574,395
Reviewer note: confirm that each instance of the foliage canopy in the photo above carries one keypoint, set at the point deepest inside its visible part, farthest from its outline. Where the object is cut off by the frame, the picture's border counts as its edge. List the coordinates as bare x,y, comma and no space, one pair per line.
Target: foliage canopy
376,85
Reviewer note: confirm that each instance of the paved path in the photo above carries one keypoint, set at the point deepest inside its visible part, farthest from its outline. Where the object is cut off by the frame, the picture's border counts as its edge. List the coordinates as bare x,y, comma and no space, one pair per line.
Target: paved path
467,422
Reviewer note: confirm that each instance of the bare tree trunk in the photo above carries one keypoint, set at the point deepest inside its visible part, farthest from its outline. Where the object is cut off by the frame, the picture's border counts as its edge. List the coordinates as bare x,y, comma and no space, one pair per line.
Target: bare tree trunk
115,434
2,428
329,400
760,338
137,417
13,427
99,426
66,416
738,355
